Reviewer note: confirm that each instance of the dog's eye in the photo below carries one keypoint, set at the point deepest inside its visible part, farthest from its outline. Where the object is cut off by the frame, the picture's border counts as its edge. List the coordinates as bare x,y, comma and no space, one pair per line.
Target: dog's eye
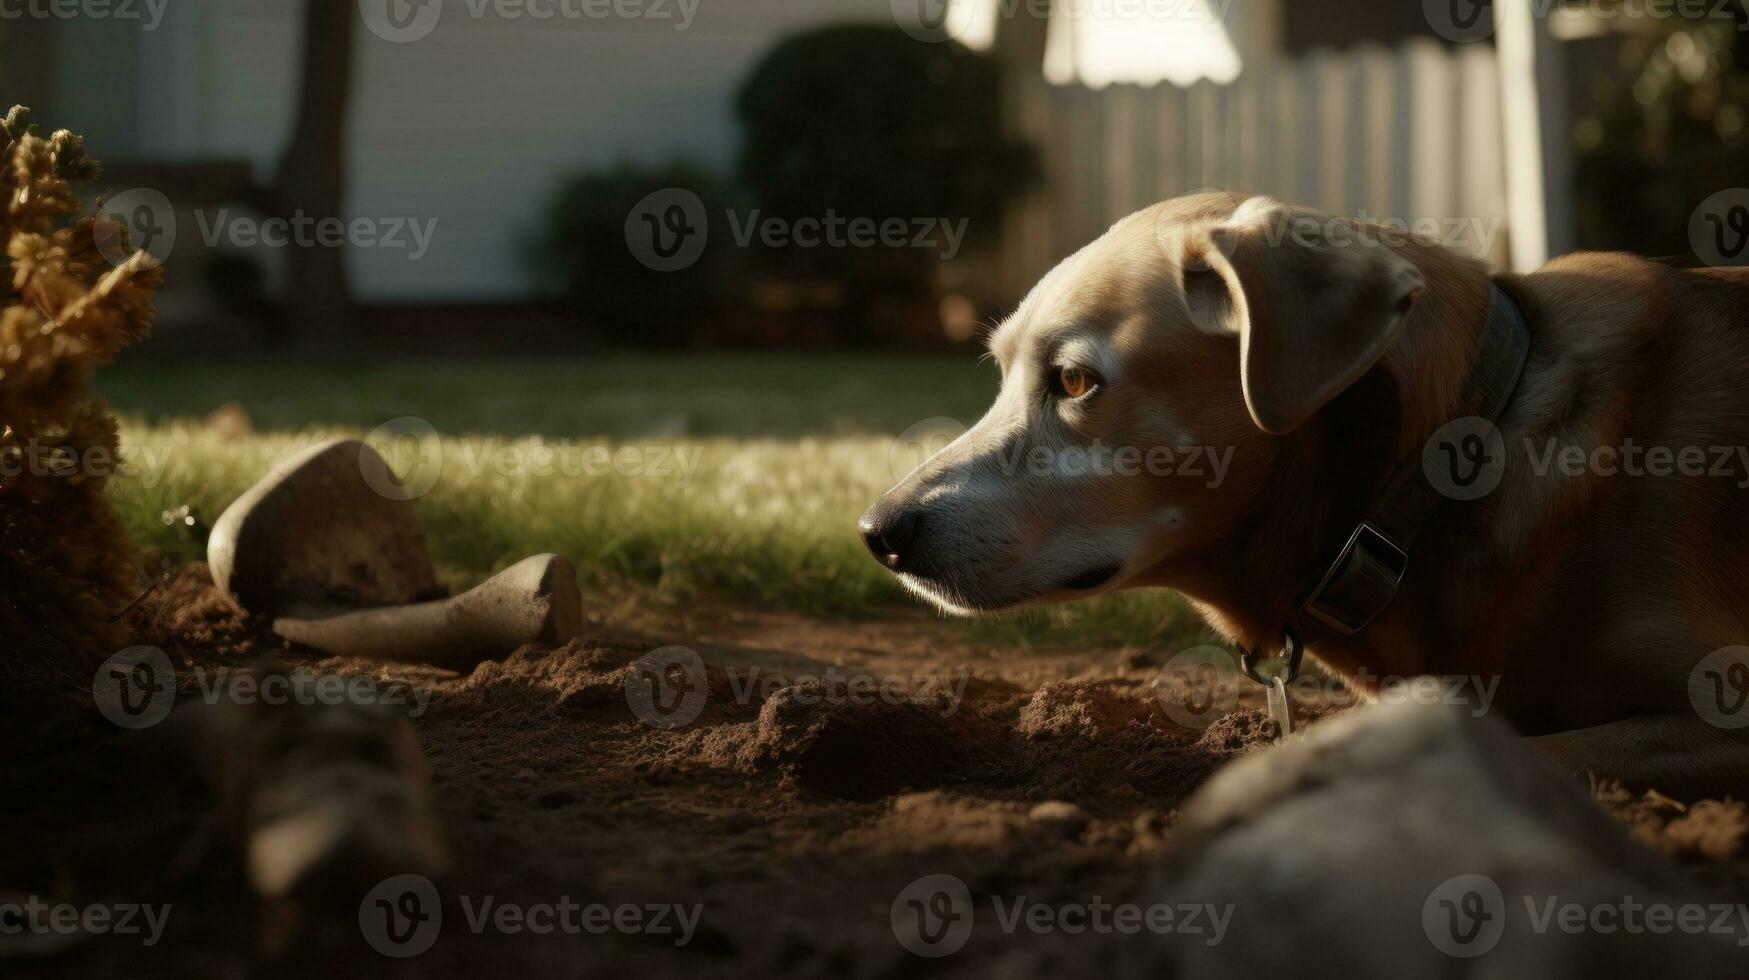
1074,382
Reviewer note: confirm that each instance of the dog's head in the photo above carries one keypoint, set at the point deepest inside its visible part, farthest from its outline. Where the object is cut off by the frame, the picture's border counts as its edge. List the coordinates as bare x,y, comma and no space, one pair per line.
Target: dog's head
1145,383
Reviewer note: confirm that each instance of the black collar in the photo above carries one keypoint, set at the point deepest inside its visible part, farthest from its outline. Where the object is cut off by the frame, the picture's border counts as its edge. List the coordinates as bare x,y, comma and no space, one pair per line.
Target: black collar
1360,582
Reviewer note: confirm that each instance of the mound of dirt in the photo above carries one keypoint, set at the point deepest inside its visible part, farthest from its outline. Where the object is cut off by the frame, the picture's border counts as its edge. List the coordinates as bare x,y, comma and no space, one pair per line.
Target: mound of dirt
789,777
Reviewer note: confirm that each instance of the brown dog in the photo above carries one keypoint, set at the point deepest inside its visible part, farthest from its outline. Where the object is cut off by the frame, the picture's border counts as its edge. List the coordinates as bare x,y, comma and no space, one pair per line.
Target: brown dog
1214,395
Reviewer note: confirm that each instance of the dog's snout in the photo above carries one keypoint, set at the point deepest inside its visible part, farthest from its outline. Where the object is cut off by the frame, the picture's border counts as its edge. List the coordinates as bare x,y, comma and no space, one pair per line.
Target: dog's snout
889,532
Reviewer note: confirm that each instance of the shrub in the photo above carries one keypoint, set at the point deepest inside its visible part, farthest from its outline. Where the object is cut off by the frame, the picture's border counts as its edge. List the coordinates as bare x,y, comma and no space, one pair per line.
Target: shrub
1665,129
584,260
65,564
866,122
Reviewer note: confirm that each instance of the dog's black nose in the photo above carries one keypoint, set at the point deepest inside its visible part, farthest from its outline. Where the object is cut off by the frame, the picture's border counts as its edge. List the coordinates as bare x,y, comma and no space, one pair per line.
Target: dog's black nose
889,533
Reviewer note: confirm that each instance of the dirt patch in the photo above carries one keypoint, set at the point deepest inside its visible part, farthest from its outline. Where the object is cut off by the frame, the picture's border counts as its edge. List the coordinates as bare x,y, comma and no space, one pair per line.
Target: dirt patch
788,778
1707,833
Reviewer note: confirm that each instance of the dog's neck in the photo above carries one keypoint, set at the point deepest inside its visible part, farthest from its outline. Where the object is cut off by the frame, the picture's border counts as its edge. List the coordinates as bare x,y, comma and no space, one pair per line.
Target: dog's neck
1327,476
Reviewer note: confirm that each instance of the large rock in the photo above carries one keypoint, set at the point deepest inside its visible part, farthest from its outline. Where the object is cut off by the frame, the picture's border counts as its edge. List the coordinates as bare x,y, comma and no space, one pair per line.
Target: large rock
330,526
1418,841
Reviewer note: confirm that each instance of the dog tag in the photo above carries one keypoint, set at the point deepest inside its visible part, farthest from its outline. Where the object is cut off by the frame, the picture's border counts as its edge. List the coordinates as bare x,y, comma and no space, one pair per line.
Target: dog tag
1281,706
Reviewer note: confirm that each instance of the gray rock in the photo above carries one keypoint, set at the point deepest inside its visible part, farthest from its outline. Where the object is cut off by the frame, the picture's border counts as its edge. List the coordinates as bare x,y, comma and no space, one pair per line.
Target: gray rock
315,533
1418,841
323,800
1063,818
328,544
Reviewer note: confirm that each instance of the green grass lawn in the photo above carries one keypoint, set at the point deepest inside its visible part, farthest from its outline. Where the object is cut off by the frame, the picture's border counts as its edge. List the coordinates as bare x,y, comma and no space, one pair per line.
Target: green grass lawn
667,479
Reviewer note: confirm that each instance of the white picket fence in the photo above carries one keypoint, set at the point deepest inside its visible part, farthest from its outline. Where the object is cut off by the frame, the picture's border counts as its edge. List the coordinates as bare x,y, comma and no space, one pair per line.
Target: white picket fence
1412,134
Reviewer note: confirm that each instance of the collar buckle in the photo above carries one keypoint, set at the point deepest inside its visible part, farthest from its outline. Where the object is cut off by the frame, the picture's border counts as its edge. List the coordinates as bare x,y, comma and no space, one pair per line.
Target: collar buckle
1361,582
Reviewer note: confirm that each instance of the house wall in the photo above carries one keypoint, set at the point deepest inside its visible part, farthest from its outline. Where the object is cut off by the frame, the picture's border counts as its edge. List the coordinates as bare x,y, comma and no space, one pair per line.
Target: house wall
473,125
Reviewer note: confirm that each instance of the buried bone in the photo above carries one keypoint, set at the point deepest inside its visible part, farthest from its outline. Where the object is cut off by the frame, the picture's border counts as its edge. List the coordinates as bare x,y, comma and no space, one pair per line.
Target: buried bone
532,601
327,547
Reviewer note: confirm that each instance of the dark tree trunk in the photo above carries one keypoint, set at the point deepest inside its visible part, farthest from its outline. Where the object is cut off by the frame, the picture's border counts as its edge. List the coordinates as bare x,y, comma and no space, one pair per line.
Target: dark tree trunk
312,178
1020,37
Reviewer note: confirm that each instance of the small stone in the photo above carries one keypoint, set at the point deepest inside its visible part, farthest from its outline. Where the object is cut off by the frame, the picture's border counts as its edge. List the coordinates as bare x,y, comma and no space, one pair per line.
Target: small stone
1066,818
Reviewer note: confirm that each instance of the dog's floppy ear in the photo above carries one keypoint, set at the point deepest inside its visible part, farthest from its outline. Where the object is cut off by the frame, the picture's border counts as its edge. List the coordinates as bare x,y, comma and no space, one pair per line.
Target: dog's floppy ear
1314,301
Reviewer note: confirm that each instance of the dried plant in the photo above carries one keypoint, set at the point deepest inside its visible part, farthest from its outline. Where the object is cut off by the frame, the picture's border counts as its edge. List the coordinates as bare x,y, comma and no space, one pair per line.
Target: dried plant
66,567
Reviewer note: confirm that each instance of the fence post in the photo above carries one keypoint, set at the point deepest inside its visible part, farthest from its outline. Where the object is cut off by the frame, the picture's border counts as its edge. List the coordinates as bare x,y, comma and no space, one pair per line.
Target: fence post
1533,109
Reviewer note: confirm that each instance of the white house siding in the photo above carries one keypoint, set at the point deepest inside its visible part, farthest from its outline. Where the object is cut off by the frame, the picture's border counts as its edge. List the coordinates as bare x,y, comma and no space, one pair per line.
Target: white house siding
473,125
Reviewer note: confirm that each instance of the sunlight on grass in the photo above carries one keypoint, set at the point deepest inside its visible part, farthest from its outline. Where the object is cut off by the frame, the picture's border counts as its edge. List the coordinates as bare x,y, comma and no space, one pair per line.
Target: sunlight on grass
763,521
